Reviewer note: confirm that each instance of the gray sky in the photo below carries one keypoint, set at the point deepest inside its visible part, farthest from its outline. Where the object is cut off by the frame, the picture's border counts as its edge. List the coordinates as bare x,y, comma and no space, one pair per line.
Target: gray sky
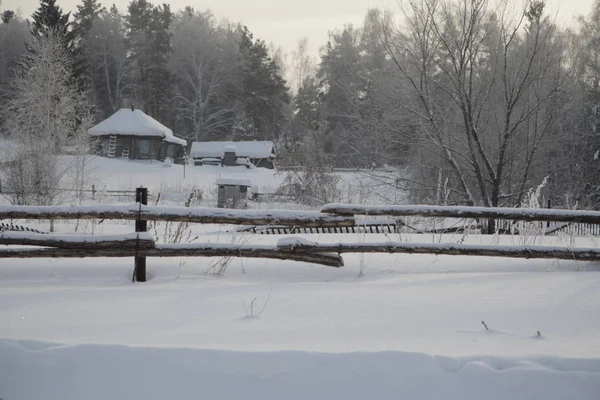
285,22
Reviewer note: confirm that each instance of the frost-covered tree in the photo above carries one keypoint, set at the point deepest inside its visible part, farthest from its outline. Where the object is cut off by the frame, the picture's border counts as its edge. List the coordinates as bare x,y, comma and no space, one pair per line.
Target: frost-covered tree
590,135
13,37
49,19
485,85
205,64
47,117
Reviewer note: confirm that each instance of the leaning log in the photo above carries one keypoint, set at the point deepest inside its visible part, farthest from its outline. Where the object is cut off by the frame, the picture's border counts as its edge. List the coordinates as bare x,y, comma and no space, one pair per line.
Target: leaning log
178,214
516,214
180,250
547,252
132,240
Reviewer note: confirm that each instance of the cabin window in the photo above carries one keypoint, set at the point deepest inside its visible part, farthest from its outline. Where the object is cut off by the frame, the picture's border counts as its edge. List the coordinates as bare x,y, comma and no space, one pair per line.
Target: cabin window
144,148
170,151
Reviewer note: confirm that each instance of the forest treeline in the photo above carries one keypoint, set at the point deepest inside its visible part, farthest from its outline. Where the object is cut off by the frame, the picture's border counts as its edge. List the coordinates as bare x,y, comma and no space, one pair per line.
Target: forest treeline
475,101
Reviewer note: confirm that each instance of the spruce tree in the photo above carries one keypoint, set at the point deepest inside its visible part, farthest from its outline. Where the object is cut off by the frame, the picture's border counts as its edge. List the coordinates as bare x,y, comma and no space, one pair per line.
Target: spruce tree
264,90
87,13
7,16
48,20
148,40
84,18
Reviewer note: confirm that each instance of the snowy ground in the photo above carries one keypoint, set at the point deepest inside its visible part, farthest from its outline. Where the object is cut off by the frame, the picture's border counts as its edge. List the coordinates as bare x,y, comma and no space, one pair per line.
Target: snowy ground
175,184
410,327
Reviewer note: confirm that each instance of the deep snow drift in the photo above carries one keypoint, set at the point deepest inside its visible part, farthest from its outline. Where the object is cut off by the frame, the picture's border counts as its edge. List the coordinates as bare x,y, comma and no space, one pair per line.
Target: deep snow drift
36,370
383,327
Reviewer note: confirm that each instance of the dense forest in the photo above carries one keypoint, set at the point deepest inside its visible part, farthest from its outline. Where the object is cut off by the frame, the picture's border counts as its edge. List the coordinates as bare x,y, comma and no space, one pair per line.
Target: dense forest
476,102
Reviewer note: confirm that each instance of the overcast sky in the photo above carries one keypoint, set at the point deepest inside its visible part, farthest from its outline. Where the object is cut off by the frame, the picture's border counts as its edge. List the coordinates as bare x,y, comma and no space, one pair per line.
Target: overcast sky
285,22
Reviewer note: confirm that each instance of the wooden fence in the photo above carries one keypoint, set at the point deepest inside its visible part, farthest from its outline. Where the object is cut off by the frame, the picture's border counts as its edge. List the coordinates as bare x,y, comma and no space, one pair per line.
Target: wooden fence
336,216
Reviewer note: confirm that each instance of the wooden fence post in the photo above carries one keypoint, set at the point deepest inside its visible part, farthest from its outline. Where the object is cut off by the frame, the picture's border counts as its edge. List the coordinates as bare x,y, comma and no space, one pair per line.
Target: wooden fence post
93,192
141,197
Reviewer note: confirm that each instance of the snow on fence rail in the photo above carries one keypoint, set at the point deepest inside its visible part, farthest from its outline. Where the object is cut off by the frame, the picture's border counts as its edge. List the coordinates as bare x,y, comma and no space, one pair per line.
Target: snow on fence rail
140,244
516,214
519,251
136,211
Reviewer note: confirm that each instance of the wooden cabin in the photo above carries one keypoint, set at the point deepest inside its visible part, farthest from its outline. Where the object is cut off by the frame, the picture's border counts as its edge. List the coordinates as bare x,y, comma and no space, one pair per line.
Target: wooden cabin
132,134
259,153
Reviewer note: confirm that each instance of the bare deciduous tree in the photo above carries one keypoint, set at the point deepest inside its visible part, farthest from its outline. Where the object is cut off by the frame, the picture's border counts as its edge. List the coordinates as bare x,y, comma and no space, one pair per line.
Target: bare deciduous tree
206,63
481,84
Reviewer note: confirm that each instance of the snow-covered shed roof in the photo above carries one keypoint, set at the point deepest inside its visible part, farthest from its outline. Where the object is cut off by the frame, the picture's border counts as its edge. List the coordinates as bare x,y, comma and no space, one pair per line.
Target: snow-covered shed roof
233,182
254,149
134,122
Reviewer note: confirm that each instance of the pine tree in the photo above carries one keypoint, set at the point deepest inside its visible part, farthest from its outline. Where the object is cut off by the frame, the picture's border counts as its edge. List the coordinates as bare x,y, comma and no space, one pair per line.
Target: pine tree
49,19
160,49
264,90
87,12
7,16
148,40
107,52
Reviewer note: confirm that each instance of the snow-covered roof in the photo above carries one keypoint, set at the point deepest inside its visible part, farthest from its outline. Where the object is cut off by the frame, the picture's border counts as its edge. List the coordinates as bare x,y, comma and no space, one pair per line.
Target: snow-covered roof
254,149
136,123
233,182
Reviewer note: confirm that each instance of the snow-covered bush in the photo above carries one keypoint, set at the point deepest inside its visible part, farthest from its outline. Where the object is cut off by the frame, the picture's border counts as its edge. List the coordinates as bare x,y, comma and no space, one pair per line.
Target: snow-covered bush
530,231
315,183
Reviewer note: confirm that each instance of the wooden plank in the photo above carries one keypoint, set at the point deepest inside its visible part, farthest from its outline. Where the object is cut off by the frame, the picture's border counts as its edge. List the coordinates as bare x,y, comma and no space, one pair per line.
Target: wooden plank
517,214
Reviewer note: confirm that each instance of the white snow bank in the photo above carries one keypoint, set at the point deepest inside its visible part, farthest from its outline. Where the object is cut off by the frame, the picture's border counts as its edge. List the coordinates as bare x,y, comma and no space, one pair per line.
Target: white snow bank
33,370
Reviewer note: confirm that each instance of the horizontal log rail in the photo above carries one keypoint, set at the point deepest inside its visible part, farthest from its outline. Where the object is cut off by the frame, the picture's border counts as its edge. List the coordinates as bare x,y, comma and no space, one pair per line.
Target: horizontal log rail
141,244
179,250
132,240
547,252
178,214
517,214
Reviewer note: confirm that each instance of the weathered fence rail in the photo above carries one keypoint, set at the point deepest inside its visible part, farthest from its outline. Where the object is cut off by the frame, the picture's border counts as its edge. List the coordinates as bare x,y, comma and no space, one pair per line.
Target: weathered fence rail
518,251
515,214
136,211
333,216
80,247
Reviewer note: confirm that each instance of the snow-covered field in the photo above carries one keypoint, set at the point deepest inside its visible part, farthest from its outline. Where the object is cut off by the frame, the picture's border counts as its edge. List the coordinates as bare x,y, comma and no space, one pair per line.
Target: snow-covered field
410,327
175,184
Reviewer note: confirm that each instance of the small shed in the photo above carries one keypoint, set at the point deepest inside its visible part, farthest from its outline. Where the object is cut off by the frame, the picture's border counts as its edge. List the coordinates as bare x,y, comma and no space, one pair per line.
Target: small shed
233,193
259,153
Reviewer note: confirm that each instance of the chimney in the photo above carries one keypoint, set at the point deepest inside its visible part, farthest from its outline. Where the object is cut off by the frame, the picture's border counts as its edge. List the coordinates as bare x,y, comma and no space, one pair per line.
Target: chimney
132,109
